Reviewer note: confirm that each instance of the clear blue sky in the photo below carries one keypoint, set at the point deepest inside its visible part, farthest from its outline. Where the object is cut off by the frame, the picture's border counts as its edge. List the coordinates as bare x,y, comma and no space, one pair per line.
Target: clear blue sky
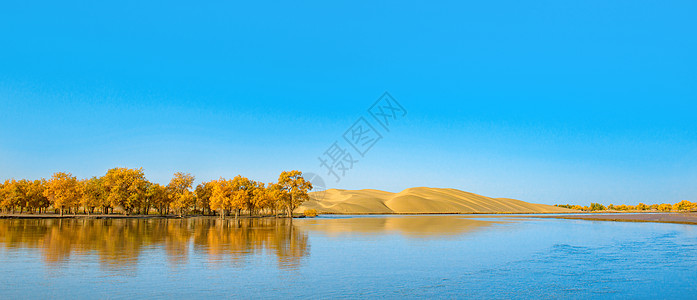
545,101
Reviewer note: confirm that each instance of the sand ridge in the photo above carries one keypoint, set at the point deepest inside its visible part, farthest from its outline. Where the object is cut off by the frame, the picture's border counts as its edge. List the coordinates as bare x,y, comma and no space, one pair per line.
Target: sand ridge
418,200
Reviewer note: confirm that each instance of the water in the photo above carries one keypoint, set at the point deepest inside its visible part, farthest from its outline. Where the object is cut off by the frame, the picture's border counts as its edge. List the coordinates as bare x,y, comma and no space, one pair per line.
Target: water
498,257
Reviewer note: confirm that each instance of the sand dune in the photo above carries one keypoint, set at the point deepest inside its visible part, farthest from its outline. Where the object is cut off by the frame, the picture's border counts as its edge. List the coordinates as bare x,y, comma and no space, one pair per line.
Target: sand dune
418,200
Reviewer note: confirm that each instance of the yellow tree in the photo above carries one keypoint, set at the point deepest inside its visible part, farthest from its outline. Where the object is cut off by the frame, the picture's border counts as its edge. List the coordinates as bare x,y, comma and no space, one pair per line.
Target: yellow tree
157,197
295,188
14,195
276,196
243,194
665,207
179,189
183,201
93,194
204,192
125,188
238,201
2,193
683,206
262,198
63,191
221,195
35,195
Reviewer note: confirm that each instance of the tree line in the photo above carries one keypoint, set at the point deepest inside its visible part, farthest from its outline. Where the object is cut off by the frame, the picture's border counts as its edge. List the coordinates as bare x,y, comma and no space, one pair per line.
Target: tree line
130,192
682,206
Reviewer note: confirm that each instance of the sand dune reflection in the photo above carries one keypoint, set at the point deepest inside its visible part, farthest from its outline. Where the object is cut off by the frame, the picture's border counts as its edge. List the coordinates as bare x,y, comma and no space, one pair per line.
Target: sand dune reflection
419,226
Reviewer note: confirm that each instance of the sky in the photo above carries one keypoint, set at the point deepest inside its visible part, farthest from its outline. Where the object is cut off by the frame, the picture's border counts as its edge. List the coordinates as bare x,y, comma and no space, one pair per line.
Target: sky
544,101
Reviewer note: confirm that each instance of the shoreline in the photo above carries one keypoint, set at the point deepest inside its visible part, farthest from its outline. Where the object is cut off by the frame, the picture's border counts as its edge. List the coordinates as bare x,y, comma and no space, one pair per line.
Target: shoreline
296,215
688,218
99,216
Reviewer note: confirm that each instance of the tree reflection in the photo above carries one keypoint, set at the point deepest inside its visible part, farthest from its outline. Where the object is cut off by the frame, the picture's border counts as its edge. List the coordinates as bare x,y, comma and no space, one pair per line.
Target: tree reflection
118,243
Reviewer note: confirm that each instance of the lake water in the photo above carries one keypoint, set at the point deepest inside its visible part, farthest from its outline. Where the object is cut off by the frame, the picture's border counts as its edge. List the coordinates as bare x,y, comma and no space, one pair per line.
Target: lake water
355,257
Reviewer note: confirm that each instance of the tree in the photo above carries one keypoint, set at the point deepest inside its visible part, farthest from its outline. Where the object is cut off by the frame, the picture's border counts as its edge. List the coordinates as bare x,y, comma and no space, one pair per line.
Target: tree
93,194
665,207
642,206
683,206
14,195
263,197
179,191
596,206
276,196
63,191
622,207
221,195
243,194
35,195
125,188
295,189
157,197
204,191
181,202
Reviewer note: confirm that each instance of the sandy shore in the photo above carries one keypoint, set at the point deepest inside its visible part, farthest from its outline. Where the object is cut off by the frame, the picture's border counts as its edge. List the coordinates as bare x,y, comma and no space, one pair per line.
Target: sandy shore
678,218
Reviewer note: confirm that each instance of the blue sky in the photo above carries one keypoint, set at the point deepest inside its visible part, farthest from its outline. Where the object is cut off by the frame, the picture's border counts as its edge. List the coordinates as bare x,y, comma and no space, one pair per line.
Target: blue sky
548,102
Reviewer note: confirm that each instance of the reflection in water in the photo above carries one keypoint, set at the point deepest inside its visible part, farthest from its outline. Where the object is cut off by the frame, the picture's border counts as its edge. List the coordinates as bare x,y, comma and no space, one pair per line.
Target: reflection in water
119,242
421,226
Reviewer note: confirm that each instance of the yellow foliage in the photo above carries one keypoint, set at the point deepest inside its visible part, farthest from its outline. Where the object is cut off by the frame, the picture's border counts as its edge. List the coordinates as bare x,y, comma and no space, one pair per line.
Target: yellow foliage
665,207
684,206
310,213
125,188
63,191
179,189
296,189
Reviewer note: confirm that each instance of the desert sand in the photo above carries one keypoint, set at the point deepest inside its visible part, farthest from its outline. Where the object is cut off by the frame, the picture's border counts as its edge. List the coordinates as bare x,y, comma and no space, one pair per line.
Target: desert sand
420,200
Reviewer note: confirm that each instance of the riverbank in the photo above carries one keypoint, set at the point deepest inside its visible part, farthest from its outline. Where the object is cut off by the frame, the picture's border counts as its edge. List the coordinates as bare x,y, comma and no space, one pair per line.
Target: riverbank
101,216
676,218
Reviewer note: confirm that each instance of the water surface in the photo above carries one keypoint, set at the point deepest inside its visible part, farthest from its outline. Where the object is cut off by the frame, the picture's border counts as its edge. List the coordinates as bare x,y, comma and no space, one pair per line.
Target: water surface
364,256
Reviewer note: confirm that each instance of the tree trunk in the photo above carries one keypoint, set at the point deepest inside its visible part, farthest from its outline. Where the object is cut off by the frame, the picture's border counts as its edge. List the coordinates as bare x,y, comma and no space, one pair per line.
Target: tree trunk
290,208
61,210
